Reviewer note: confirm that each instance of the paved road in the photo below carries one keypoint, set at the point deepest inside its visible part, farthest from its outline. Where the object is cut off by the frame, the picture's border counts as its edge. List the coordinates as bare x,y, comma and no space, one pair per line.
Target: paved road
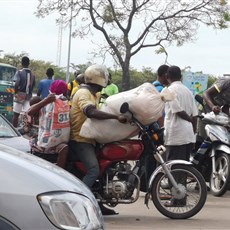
214,215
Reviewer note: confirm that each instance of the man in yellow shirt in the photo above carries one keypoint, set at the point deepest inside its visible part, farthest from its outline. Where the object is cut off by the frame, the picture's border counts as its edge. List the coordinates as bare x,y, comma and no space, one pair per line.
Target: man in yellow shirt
85,105
81,80
73,86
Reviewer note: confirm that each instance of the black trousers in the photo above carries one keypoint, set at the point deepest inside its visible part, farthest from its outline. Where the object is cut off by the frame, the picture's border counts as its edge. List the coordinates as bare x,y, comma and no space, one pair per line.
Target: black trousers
179,152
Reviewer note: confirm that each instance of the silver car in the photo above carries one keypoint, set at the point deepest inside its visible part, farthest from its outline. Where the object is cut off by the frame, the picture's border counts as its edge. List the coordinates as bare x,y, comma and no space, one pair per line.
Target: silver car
11,137
37,195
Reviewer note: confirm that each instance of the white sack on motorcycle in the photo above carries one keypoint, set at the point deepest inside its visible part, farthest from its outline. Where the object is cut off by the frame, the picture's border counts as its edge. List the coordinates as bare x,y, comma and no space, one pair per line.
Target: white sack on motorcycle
145,102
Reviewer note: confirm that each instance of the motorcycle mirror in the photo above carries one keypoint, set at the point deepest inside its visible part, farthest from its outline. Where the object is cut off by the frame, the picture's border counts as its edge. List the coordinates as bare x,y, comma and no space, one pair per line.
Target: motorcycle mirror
124,107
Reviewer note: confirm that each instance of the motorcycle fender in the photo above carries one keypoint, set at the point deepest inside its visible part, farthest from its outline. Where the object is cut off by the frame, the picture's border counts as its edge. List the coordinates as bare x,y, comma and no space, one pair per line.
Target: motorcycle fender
160,169
222,148
169,165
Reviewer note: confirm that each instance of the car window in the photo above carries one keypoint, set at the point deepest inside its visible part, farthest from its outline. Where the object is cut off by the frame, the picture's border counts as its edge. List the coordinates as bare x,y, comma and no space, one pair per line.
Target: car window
6,130
5,224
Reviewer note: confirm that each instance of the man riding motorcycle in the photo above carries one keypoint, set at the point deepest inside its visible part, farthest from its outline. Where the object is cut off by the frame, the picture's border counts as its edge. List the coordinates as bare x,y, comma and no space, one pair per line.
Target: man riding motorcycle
218,95
85,105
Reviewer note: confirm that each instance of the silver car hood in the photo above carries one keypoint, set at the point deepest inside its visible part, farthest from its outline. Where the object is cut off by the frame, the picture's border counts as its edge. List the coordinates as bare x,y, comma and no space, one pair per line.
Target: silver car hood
23,178
34,175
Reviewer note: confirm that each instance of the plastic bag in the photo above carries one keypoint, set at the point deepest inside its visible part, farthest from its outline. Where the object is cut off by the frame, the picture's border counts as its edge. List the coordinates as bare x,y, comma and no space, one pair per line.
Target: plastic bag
20,97
54,123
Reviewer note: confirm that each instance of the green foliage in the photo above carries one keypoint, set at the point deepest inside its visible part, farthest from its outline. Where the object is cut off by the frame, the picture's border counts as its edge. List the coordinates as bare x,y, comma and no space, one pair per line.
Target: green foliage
227,16
223,2
161,50
211,80
136,77
130,26
13,59
107,14
39,68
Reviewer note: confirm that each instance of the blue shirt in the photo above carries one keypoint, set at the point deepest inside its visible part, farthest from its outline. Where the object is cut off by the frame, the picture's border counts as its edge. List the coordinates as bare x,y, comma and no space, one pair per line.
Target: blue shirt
158,85
159,88
44,87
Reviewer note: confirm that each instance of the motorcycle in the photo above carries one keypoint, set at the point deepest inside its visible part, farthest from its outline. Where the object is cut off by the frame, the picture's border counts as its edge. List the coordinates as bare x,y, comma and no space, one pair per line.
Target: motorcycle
212,155
128,167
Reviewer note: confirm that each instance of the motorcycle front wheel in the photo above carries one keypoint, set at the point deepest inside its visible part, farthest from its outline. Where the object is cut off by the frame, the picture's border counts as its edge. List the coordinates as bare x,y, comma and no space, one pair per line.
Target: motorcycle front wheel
220,180
185,201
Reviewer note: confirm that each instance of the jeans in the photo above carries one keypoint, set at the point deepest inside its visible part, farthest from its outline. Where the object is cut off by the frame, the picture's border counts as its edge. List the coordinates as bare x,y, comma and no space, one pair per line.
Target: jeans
85,153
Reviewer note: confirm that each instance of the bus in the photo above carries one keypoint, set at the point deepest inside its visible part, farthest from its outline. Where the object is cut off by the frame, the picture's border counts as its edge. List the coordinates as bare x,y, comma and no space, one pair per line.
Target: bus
7,73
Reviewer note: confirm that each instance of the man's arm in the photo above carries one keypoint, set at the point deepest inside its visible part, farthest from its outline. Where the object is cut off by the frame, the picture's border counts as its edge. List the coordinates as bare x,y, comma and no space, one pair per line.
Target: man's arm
208,95
183,115
16,86
92,112
69,90
36,107
39,89
16,82
39,93
193,120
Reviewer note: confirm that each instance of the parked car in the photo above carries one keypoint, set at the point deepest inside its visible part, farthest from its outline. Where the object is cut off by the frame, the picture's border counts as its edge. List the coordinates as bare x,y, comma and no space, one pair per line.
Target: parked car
11,137
36,194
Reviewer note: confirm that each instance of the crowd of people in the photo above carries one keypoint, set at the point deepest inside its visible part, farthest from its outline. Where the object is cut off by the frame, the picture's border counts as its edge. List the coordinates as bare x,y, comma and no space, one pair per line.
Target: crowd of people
88,91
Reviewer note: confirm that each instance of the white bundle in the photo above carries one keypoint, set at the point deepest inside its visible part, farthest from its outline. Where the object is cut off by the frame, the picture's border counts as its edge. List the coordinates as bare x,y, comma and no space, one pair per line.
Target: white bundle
146,104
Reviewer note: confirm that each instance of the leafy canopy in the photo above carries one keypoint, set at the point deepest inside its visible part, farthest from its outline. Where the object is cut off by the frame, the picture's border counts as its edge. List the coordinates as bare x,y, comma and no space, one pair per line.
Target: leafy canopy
129,26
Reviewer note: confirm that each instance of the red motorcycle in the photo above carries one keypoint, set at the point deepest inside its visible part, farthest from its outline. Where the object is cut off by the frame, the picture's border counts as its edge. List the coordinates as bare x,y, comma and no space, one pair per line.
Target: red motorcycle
127,167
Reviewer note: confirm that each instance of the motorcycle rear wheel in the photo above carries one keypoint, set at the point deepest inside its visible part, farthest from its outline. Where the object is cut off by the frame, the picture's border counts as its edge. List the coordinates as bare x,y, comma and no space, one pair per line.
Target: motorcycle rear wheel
220,182
185,204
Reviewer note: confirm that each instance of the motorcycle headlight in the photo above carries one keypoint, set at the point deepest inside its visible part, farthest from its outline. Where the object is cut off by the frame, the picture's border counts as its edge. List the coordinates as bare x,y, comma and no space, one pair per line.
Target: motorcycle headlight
68,210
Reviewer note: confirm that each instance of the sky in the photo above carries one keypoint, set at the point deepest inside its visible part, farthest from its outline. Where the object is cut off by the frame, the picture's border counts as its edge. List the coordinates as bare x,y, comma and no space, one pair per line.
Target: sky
21,31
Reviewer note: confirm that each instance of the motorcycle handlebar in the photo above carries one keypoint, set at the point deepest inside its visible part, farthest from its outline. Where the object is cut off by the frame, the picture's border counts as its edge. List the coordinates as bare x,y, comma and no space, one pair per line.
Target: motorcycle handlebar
200,116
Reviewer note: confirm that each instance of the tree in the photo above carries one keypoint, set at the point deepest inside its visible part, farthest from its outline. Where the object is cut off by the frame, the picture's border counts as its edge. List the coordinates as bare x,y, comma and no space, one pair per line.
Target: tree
38,67
128,26
13,59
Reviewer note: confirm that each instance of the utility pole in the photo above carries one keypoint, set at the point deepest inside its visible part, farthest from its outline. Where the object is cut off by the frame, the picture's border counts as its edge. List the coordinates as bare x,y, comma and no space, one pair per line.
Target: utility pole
69,49
59,45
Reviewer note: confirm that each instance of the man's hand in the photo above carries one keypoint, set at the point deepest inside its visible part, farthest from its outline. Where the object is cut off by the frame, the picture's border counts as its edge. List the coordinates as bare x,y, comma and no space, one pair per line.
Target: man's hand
123,119
216,109
50,98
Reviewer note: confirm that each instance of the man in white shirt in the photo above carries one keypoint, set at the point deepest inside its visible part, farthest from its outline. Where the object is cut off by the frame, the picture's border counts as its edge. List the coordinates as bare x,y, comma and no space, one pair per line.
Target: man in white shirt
180,123
180,119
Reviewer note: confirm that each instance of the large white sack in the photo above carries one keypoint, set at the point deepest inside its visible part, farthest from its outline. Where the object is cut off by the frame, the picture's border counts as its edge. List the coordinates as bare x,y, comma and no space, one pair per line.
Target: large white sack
105,131
145,102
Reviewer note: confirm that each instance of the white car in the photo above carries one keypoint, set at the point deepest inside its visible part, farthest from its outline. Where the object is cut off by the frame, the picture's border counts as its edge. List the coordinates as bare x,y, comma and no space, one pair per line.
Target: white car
11,137
37,195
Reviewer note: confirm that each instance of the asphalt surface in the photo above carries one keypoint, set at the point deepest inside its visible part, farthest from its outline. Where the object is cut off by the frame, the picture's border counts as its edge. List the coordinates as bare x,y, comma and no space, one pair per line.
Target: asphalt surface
214,215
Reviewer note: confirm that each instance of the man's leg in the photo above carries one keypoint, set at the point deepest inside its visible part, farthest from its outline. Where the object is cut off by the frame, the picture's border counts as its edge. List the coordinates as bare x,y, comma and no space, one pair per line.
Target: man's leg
15,119
180,152
17,108
85,153
62,151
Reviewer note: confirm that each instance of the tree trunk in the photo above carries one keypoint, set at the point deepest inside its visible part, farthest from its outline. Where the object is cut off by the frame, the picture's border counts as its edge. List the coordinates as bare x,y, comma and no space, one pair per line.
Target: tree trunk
125,76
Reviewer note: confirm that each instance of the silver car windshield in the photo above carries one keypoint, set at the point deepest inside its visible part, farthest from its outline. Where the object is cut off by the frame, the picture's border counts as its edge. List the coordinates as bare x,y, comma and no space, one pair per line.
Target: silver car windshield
6,130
